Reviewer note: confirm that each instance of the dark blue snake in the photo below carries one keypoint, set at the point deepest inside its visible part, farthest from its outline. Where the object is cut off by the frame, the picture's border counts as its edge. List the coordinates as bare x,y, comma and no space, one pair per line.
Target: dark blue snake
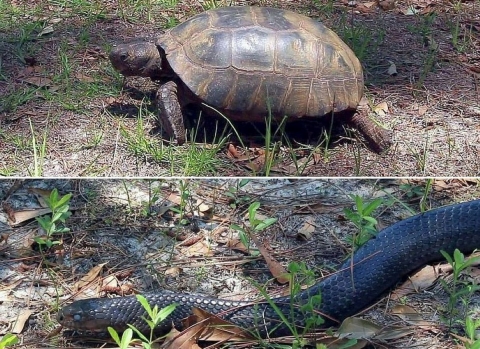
374,268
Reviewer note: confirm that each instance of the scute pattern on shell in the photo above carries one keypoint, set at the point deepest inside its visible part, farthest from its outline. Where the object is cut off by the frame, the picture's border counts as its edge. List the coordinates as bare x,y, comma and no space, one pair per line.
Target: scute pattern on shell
244,60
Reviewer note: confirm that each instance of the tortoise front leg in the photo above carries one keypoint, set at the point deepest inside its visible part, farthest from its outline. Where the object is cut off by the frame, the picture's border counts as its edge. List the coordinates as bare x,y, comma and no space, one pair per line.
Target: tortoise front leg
170,112
379,139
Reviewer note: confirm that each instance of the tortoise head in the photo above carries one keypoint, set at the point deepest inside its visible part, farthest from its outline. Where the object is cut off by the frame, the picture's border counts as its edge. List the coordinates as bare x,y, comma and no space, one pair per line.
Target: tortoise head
139,58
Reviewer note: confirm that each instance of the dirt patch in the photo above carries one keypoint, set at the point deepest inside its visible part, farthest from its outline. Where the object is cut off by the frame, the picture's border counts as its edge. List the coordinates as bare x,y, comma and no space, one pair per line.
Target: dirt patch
64,112
130,236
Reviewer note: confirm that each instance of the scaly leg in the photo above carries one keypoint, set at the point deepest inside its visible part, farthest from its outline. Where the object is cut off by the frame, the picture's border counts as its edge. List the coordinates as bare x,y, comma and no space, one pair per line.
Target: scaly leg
170,112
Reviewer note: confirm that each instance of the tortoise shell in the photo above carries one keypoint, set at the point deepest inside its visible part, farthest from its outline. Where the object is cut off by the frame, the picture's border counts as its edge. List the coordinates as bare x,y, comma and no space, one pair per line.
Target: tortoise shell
247,61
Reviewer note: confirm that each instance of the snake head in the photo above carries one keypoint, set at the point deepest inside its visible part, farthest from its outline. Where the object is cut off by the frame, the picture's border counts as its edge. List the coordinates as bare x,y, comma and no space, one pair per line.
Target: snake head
85,315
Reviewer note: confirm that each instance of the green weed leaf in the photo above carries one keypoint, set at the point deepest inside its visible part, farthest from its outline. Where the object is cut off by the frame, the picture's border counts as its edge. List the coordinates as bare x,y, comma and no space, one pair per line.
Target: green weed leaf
63,201
126,338
265,224
252,212
8,340
114,335
243,182
142,337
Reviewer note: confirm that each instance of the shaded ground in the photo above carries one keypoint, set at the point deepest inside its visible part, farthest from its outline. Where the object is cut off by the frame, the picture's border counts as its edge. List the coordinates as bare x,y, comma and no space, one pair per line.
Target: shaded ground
134,226
55,79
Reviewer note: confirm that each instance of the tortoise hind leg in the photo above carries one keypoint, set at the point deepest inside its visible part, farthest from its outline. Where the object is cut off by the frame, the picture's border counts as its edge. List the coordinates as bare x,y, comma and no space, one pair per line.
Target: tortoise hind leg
379,139
170,114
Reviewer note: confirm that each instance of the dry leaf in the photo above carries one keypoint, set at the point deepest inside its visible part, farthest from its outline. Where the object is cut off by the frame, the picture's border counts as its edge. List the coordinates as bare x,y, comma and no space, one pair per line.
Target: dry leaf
474,273
277,270
22,318
203,326
256,164
387,5
38,81
216,328
89,277
381,109
219,234
4,237
363,9
464,340
110,281
47,30
41,195
392,69
199,248
420,281
410,315
307,229
189,240
175,198
202,207
186,339
84,78
173,271
109,100
422,109
236,244
411,11
22,216
355,328
394,332
232,151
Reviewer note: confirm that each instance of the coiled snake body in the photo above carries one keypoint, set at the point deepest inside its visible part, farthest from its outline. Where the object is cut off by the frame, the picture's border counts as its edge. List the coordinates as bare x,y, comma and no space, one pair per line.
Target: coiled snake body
395,252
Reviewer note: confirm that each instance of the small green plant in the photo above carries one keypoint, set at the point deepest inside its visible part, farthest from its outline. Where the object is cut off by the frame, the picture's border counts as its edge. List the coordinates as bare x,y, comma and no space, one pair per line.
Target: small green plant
271,147
360,38
461,39
154,190
362,219
428,64
471,327
415,191
10,102
38,153
171,22
326,8
234,195
155,317
210,4
9,340
421,156
199,160
185,197
50,223
423,25
299,275
458,290
357,155
256,225
66,66
424,198
412,190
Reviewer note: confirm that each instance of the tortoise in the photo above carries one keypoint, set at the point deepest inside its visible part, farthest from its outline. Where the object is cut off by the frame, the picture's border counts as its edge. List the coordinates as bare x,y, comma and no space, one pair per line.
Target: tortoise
249,62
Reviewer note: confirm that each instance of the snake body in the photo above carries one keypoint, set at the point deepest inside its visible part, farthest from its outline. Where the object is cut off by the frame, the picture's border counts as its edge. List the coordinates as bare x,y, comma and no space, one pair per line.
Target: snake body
374,268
